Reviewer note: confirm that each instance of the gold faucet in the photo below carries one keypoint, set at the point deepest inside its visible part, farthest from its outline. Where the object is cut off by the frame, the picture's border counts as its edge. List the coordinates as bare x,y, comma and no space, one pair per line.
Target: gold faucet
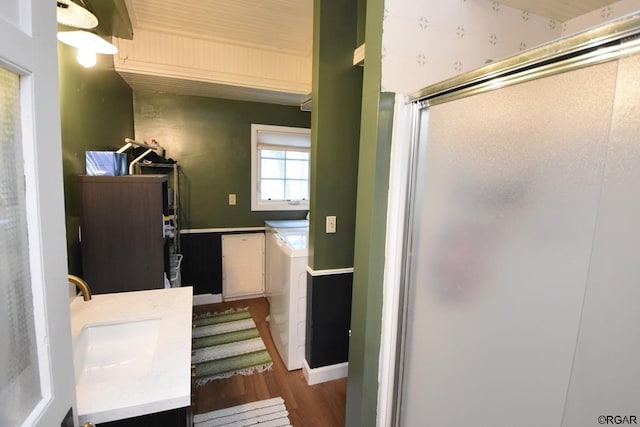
82,285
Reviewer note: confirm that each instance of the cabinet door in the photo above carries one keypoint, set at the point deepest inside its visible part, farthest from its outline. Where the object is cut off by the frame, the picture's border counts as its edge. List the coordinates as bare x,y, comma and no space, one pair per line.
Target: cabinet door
122,232
242,265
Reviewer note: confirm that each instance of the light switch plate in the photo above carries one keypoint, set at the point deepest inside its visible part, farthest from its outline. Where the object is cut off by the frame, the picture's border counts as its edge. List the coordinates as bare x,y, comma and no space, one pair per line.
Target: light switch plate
232,199
331,224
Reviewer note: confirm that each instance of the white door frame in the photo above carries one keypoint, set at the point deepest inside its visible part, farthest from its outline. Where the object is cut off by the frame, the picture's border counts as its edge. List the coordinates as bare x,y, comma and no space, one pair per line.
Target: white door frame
399,187
28,46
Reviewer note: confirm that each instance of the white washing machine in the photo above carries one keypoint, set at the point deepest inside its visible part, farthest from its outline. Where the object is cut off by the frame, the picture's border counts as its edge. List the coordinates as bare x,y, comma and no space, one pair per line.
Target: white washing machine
286,287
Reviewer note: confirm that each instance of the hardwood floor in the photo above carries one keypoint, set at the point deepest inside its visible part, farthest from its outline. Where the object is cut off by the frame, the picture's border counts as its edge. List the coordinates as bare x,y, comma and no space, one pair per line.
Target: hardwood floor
319,405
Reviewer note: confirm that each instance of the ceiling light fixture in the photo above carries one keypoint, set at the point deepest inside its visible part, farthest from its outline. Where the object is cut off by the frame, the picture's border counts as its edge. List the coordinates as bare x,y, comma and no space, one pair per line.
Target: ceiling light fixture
88,44
86,58
74,15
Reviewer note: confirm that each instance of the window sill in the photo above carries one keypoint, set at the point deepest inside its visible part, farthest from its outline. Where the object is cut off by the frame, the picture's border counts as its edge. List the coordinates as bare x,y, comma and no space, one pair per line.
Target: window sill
301,206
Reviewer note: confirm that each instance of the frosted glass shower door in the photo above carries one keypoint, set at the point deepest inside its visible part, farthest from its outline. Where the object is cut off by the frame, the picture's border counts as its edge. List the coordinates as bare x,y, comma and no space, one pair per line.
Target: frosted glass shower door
606,369
505,212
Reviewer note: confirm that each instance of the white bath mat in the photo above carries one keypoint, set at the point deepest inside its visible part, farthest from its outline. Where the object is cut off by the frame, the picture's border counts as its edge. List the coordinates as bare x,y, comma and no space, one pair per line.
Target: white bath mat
265,413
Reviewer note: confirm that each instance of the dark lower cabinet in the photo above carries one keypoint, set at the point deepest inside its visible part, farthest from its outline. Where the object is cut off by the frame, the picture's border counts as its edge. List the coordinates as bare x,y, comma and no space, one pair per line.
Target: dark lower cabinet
173,418
122,232
328,319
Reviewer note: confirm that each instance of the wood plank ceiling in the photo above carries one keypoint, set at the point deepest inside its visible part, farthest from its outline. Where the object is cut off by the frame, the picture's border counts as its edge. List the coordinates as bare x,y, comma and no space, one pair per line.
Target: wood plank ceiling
282,27
285,25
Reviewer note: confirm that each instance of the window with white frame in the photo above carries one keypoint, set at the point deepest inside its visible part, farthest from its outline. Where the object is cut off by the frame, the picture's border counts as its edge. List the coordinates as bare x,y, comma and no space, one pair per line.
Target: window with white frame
280,168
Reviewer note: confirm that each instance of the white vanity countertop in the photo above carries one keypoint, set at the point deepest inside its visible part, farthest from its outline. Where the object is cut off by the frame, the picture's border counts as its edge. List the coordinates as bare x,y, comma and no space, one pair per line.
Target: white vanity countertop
168,384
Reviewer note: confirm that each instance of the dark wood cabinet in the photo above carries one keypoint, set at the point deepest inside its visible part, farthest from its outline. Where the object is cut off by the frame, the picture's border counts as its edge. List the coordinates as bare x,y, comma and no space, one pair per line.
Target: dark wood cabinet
172,418
122,232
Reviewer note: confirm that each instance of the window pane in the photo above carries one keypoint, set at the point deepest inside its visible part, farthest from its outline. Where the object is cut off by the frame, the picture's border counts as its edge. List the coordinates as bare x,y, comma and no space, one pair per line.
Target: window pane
270,168
280,159
272,189
297,169
19,374
302,155
297,190
273,154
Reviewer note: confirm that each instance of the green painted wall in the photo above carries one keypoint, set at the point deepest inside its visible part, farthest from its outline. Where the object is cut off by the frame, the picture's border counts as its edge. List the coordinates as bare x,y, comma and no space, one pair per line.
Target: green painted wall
96,113
362,18
369,259
335,132
211,140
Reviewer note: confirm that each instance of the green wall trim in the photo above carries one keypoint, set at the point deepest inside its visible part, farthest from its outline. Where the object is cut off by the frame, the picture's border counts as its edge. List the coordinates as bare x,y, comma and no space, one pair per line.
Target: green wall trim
211,140
335,133
362,17
369,262
96,113
369,252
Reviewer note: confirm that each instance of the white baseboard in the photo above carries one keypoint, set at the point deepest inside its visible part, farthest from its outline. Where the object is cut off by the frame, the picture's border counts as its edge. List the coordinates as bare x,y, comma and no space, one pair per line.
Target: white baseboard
324,373
329,272
226,298
203,299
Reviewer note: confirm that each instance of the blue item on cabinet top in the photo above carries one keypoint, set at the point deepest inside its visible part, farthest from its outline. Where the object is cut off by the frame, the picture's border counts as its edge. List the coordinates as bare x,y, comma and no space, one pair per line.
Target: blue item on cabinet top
106,163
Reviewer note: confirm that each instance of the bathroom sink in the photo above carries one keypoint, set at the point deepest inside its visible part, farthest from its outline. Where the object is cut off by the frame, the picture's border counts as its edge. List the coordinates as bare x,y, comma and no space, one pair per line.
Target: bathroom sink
114,351
132,353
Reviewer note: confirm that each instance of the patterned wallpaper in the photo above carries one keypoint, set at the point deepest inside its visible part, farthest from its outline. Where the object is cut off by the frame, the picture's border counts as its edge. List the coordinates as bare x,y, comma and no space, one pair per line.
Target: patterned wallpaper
615,10
426,41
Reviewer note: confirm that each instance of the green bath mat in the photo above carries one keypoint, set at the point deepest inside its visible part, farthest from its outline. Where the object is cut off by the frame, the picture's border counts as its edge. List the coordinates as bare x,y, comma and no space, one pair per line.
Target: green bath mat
227,344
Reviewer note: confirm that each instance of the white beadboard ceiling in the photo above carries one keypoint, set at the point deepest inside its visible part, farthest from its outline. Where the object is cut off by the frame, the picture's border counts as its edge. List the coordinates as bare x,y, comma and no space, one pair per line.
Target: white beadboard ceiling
276,26
560,10
271,24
